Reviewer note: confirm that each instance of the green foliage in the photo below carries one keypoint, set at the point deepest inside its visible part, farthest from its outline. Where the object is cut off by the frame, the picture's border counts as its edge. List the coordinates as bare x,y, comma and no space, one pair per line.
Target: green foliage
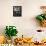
41,17
11,31
45,17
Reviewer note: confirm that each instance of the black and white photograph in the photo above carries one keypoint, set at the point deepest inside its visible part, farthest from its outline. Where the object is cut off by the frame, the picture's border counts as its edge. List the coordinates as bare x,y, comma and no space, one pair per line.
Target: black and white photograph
17,11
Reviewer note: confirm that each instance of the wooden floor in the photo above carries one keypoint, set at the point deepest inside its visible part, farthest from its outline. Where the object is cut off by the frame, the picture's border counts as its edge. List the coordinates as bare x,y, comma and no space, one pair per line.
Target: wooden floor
30,45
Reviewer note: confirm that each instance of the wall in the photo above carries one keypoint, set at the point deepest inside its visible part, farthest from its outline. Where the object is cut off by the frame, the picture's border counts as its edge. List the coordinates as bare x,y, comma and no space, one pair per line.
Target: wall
26,24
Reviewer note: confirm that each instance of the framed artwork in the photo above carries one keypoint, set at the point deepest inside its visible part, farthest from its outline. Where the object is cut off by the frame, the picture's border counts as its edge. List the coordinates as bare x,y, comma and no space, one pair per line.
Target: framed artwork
17,11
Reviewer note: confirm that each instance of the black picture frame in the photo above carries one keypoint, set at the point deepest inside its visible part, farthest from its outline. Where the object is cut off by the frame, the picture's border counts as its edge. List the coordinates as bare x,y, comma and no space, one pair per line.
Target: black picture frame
17,11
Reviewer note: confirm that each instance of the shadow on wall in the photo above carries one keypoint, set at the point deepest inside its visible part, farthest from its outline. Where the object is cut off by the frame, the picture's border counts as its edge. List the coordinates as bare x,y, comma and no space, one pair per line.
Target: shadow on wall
34,22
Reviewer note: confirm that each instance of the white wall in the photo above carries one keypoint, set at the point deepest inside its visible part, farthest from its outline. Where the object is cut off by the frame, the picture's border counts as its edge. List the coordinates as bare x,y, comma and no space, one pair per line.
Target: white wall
26,24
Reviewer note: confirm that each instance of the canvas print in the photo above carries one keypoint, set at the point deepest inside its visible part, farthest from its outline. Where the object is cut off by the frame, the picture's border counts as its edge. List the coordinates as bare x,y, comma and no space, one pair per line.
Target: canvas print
17,11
